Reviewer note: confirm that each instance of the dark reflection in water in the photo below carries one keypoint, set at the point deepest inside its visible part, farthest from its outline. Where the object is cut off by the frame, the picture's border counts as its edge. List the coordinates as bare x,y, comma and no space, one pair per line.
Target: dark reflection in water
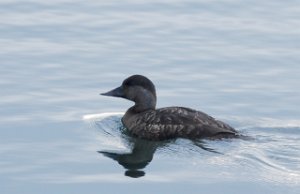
139,157
142,154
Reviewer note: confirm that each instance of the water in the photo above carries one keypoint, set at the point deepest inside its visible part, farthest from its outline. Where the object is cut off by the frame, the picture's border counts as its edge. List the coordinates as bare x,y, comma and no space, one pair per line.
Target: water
235,60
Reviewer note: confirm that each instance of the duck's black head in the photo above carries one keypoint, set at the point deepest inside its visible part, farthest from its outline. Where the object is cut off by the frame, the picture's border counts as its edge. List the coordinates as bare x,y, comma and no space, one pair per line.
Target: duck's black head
136,88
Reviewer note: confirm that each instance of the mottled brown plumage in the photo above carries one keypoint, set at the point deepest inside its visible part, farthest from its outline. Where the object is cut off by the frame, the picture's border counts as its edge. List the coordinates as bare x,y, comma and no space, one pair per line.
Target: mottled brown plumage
144,121
174,122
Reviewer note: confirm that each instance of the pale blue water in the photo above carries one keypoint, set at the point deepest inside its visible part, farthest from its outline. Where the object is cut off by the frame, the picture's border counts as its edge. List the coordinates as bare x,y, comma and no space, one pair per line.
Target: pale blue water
236,60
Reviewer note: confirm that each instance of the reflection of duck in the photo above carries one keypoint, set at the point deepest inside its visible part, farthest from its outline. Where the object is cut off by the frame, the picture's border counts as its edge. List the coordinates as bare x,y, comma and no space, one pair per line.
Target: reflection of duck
144,121
141,155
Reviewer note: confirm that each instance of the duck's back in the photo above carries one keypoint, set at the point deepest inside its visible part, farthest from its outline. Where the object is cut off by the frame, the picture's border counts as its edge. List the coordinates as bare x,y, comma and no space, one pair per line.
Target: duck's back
171,122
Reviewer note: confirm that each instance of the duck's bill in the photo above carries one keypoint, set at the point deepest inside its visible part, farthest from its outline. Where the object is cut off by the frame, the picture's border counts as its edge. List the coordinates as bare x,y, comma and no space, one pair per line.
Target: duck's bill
117,92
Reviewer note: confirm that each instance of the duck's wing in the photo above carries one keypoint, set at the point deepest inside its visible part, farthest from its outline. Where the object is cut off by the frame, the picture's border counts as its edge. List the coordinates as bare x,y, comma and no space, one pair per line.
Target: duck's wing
182,122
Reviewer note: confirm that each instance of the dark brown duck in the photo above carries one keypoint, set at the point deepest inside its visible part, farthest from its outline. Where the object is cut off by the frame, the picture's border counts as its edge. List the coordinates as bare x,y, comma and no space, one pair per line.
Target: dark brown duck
143,120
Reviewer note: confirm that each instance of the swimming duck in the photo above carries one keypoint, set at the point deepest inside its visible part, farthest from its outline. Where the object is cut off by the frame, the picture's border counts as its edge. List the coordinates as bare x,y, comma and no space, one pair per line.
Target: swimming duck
144,121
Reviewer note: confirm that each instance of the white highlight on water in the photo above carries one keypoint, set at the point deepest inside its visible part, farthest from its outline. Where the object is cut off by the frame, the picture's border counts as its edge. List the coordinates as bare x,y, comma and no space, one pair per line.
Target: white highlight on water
100,116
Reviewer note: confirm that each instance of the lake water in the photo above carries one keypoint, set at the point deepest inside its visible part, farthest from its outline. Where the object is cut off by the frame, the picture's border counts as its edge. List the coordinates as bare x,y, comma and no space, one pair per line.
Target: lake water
236,60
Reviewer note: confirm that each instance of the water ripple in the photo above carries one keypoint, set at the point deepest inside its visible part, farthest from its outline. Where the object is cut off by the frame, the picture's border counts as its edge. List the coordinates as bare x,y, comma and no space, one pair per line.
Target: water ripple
272,155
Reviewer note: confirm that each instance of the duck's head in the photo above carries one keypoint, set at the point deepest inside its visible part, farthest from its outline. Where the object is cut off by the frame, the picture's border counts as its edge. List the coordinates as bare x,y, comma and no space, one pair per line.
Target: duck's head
138,89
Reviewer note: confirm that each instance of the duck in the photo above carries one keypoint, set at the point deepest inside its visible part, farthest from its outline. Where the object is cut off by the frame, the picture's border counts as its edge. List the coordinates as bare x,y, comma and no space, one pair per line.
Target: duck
143,120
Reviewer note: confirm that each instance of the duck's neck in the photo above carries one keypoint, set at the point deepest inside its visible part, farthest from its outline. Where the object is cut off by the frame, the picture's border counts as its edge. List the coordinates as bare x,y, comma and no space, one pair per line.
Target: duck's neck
143,102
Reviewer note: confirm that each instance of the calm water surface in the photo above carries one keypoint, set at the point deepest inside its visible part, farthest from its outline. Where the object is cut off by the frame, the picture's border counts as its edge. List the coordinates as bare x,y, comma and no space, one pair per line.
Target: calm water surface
236,60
